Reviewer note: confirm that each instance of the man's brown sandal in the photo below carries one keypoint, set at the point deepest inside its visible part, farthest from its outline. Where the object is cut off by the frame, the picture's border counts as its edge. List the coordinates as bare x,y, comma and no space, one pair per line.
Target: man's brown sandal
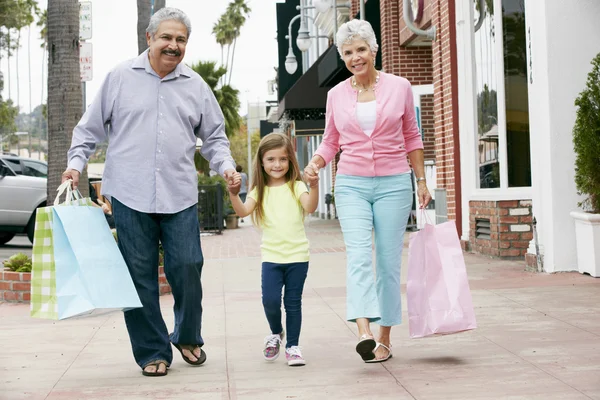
191,347
157,364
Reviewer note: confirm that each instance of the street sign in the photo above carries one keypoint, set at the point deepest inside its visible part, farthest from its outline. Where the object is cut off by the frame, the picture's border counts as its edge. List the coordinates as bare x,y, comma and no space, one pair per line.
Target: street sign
85,61
85,20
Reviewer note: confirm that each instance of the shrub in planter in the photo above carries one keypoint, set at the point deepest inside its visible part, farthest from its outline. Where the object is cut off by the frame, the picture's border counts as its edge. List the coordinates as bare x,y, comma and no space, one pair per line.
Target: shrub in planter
586,141
18,263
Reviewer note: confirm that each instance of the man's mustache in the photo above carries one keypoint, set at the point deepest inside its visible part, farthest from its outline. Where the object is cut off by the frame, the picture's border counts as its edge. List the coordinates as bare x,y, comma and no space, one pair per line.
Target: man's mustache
176,53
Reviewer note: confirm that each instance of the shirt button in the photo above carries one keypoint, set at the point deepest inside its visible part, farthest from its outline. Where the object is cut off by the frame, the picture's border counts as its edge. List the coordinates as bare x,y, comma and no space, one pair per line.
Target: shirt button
162,97
161,114
160,151
158,169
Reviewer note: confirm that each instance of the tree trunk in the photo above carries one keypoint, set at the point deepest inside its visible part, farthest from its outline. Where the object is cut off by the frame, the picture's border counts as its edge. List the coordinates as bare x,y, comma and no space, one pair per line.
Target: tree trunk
17,69
65,100
231,66
144,8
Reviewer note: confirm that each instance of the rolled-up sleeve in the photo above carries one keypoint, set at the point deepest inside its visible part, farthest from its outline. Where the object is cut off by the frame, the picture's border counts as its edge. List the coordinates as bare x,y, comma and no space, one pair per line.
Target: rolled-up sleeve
410,128
331,136
92,128
211,130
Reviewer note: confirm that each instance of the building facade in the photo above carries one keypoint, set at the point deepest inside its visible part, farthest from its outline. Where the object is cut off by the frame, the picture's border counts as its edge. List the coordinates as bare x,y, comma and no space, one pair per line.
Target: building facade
495,94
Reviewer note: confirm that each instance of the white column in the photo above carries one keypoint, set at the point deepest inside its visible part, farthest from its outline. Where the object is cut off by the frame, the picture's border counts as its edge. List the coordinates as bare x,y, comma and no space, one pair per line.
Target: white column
557,73
467,106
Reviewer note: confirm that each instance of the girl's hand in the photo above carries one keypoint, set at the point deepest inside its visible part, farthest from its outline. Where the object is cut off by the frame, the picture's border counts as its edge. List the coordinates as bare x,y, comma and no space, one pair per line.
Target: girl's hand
423,194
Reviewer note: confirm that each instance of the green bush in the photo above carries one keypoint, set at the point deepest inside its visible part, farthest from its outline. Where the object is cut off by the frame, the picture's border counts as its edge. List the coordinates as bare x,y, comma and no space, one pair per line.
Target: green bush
19,263
586,140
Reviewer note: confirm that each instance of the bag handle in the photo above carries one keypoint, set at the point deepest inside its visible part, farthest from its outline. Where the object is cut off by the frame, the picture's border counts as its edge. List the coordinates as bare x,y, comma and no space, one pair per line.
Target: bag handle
65,186
426,217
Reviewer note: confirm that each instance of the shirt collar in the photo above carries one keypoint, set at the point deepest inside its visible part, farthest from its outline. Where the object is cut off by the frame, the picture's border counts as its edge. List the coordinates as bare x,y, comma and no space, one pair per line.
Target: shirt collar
142,62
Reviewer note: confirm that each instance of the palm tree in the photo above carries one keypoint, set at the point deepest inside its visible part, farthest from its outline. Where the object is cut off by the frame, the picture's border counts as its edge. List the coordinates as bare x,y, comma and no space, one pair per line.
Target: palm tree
64,88
238,11
223,31
145,11
226,96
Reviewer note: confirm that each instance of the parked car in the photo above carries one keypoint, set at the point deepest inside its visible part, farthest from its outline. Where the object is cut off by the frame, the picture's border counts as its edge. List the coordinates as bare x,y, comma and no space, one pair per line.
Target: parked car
22,190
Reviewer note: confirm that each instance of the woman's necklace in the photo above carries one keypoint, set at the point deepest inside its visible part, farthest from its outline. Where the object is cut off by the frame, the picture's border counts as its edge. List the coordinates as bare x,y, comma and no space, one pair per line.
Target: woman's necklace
372,88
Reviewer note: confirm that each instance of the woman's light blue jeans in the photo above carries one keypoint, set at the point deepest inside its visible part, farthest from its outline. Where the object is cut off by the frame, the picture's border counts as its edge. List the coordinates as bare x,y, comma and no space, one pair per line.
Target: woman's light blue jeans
364,204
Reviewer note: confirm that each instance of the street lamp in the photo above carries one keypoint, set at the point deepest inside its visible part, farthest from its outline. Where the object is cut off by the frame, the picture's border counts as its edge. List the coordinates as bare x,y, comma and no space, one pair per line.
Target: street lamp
291,65
303,40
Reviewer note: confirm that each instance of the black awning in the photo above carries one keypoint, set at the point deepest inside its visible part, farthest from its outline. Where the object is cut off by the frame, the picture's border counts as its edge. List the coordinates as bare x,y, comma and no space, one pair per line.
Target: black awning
309,127
306,94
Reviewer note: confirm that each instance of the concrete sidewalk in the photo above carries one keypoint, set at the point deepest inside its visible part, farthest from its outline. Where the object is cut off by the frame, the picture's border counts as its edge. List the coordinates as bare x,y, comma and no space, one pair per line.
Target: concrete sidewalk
538,338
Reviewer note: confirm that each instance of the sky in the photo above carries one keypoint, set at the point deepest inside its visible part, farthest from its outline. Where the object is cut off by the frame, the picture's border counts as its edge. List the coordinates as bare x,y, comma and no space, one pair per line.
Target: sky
114,39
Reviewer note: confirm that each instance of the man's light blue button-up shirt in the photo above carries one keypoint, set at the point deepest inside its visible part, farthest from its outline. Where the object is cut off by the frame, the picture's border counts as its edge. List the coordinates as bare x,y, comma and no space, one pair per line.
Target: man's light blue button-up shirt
153,124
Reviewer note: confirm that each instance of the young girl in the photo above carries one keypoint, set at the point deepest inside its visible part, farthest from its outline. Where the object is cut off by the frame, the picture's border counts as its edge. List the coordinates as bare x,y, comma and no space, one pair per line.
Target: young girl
277,203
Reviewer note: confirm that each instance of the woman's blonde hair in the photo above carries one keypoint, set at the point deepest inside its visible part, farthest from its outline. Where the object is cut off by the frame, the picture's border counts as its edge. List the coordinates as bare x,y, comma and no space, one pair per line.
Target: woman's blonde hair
259,176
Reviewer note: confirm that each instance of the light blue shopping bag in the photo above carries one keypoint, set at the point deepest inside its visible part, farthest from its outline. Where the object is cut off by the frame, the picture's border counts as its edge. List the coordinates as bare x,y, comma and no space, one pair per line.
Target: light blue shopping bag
91,273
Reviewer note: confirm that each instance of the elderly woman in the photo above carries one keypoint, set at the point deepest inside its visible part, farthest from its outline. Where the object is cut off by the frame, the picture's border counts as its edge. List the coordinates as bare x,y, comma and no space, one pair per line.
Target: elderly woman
371,118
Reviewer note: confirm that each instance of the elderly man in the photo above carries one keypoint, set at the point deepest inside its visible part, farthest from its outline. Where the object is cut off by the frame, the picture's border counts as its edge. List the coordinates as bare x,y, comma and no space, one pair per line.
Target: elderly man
156,107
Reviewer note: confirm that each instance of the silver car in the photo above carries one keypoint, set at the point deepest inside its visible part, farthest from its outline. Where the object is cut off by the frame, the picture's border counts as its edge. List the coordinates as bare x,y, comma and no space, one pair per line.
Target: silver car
22,190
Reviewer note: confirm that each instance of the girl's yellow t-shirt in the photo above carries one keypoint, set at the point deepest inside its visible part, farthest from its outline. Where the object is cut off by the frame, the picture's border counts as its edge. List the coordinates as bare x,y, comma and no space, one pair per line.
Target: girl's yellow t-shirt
284,238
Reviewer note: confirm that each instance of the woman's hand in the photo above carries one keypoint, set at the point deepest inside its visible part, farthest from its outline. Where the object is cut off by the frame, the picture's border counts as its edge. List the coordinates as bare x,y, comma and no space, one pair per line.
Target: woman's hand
311,174
423,194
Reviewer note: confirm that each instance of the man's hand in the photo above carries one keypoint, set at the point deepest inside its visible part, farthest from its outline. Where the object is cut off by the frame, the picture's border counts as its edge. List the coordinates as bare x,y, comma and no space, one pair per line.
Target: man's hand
234,181
311,174
72,174
234,188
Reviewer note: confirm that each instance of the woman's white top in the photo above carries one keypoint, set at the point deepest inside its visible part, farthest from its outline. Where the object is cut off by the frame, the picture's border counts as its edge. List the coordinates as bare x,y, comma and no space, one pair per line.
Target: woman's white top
366,114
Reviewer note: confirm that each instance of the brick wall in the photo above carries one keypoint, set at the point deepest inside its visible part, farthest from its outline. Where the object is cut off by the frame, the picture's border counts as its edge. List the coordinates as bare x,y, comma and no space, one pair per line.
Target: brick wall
15,286
446,105
510,228
428,126
415,64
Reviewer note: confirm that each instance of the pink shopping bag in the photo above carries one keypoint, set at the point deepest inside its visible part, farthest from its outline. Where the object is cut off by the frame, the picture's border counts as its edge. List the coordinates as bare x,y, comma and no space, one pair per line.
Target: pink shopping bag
437,289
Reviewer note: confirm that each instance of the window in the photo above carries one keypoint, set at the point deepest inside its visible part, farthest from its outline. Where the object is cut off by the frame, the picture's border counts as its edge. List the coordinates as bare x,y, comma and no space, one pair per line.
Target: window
33,168
7,170
487,99
516,93
15,165
501,95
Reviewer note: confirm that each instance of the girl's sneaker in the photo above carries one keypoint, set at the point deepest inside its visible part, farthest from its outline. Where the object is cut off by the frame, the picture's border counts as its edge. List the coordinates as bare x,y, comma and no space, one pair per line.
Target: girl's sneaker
294,356
272,346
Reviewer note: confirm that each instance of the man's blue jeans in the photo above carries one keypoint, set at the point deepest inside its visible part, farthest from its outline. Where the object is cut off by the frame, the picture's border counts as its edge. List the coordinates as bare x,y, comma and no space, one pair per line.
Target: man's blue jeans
274,278
138,237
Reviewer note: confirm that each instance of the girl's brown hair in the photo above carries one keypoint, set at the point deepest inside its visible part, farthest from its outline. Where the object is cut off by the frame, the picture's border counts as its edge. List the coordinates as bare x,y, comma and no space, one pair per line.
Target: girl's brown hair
260,177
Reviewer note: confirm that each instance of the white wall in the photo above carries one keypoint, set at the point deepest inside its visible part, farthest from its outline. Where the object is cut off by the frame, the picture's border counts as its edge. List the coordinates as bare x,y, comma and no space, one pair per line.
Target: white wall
563,38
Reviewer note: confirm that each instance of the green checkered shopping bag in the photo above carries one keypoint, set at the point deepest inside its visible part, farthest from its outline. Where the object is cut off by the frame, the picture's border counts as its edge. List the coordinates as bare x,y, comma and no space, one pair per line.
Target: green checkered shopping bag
44,302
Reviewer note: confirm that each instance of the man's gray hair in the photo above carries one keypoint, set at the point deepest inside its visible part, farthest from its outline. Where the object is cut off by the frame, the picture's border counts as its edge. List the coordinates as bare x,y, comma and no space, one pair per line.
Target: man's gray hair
166,14
356,29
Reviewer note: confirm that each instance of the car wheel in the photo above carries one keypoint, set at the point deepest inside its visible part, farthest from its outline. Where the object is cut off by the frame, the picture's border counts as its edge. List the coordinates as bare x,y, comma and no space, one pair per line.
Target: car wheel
6,237
30,229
